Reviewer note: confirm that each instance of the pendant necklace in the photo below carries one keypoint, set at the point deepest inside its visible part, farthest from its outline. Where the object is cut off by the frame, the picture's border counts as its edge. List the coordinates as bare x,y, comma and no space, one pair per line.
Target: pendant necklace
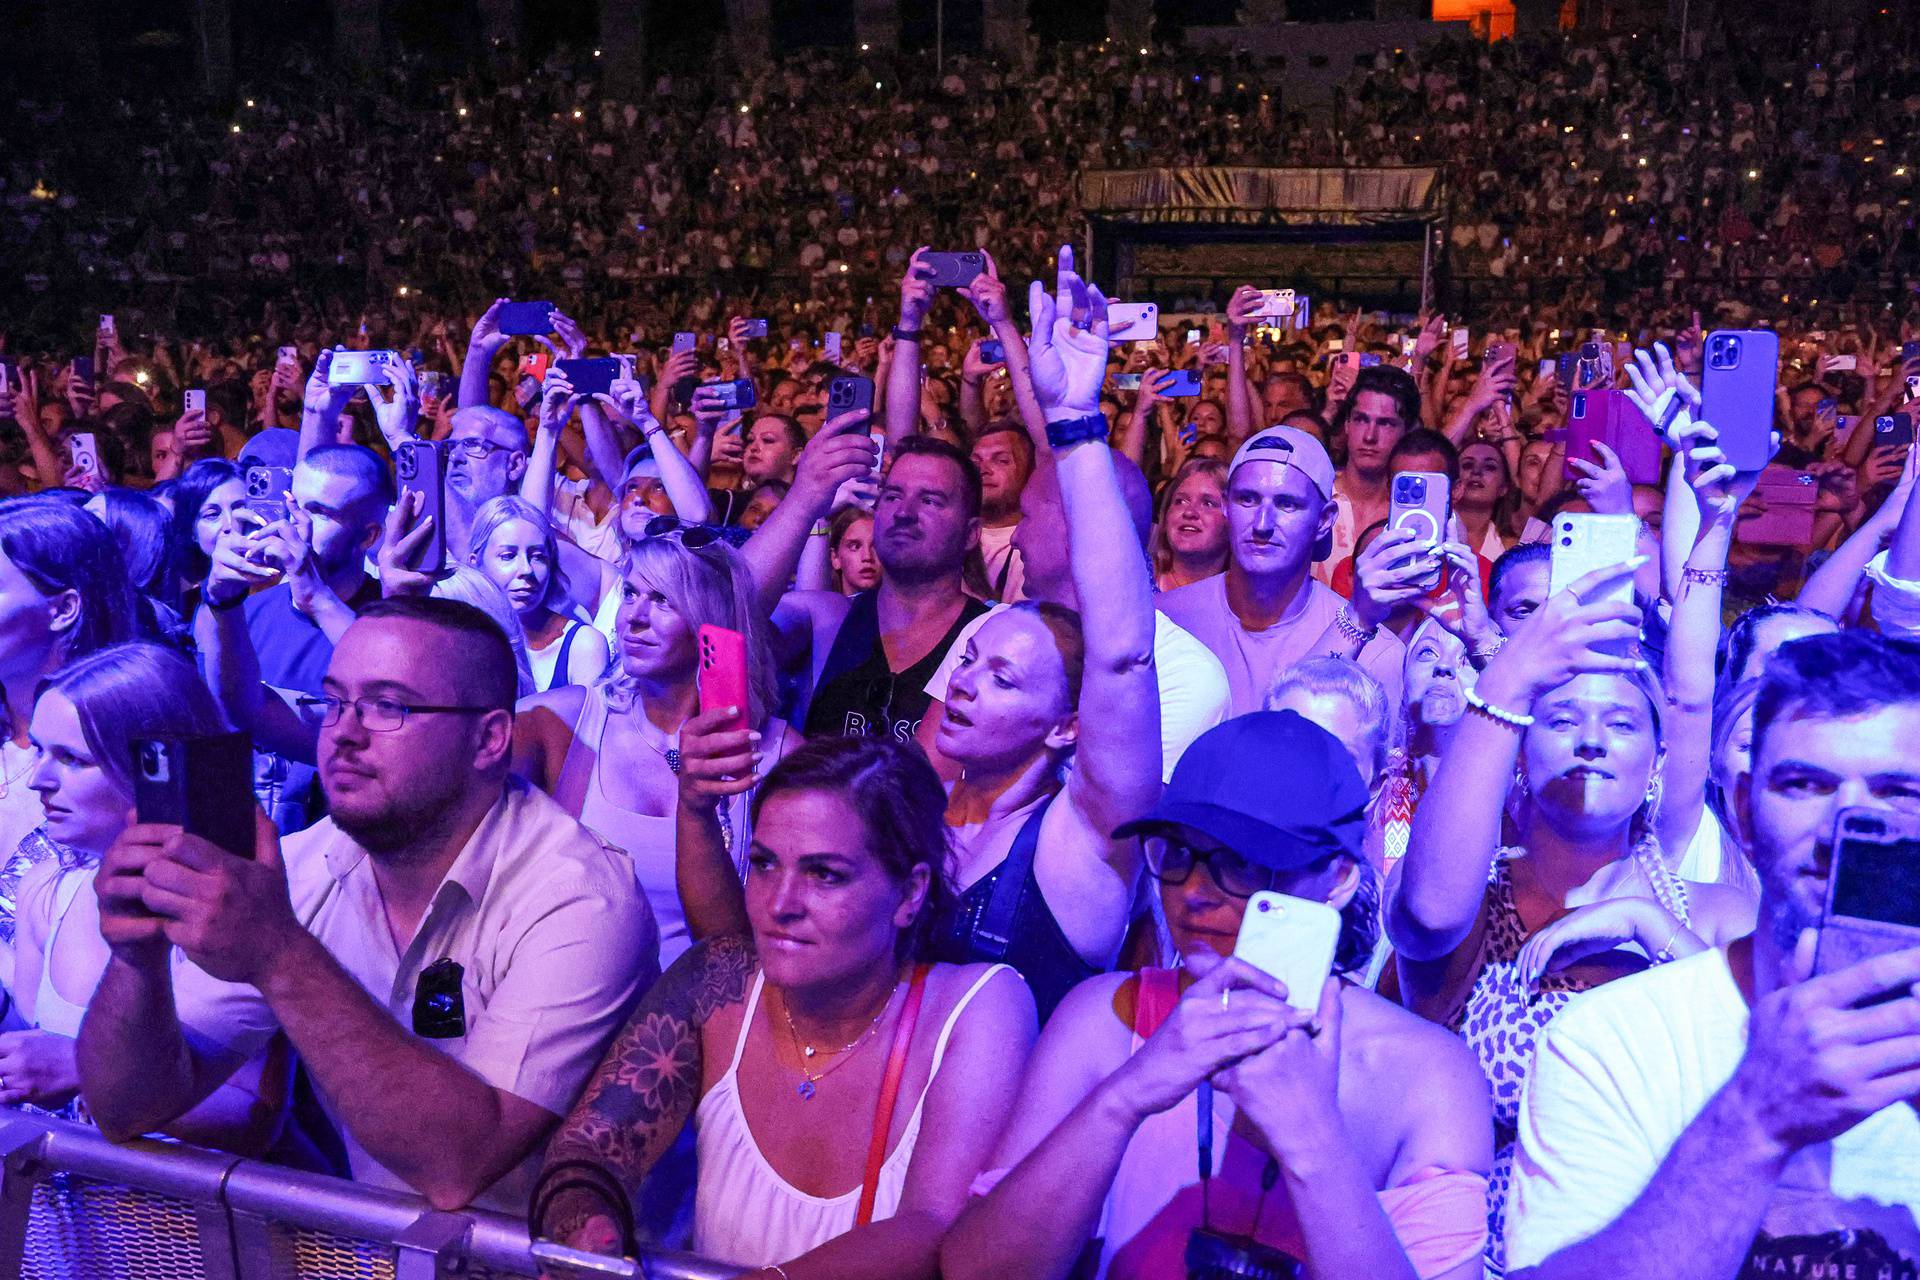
809,1080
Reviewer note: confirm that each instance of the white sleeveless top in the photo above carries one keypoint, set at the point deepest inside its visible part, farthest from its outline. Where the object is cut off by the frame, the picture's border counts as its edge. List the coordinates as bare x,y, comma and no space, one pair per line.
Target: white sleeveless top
745,1213
51,1010
649,840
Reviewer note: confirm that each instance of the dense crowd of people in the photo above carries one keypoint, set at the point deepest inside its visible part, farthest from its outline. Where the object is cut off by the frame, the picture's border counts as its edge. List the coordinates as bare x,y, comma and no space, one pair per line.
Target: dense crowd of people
903,786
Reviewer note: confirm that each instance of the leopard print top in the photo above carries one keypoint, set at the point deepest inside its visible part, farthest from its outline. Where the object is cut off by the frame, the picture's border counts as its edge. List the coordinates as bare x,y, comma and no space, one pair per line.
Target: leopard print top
1501,1021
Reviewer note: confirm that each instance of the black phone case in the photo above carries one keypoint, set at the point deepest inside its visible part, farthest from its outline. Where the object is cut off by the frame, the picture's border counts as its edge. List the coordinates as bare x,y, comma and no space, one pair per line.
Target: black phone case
952,270
590,377
203,784
523,319
421,466
849,394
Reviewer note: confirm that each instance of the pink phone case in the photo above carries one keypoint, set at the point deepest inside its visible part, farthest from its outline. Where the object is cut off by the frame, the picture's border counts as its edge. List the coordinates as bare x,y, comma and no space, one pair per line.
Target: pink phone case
1790,497
723,674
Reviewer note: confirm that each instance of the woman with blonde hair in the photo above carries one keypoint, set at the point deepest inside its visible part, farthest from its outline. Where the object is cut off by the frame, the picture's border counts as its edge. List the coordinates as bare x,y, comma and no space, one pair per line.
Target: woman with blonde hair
514,545
610,752
1190,532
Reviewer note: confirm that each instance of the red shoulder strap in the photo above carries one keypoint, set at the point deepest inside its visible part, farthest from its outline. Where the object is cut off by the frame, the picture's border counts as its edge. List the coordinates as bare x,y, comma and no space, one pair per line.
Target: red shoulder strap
890,1094
1157,994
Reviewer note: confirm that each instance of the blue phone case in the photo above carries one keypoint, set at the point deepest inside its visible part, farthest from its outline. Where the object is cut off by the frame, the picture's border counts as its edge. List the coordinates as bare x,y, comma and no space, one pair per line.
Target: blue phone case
1742,369
1186,382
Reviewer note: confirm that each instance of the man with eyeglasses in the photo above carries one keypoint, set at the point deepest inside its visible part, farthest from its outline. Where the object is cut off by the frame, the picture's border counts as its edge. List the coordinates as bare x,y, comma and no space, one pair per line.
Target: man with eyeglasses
449,952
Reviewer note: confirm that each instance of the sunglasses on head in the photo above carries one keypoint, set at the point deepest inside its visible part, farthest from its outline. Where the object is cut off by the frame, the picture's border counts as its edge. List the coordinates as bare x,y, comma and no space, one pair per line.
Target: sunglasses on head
694,536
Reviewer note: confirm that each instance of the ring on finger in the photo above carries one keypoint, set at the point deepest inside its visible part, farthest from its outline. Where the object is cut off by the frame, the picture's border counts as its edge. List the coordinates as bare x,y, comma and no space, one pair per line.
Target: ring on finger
1226,999
1314,1029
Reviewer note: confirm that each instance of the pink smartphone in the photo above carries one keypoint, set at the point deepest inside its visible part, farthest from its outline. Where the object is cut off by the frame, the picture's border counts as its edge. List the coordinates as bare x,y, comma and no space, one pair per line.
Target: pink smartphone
723,674
1790,499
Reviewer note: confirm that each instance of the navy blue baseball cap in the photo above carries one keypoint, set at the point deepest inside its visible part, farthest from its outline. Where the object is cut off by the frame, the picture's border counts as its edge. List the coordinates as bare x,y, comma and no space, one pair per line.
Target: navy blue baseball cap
1272,786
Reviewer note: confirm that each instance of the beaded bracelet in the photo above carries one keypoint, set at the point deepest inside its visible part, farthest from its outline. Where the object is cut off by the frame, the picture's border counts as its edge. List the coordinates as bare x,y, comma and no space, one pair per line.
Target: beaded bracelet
1499,715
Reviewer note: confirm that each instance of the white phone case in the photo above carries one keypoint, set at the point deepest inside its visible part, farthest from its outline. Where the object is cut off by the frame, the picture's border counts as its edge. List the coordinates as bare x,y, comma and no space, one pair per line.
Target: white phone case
1276,304
1583,542
1292,940
1133,321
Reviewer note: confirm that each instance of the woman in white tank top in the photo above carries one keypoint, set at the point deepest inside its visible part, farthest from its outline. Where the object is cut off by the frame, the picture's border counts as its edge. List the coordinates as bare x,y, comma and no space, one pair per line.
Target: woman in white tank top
609,753
843,1095
514,545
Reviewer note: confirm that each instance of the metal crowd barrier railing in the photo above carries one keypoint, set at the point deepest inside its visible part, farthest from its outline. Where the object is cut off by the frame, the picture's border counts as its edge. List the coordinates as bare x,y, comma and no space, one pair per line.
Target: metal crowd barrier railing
74,1206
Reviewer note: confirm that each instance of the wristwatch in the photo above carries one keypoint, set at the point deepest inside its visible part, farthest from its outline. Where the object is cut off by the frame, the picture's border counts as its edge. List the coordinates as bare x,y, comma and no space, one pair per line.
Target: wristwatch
905,335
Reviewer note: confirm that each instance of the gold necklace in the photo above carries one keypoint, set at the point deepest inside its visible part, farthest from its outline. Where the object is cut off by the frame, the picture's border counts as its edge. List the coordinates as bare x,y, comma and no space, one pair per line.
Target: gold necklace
808,1080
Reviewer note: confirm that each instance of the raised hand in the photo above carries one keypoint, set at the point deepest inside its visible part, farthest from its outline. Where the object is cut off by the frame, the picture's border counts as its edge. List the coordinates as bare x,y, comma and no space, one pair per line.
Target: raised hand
557,402
1068,364
988,295
1604,484
916,293
487,337
398,412
1566,637
1392,571
716,763
1662,392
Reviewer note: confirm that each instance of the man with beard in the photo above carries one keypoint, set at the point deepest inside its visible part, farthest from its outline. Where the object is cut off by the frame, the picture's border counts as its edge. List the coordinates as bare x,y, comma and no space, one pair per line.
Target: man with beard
449,952
1004,455
882,646
1732,1114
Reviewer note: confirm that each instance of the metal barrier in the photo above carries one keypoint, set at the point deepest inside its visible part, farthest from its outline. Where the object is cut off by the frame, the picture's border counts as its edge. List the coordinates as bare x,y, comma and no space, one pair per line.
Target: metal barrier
74,1206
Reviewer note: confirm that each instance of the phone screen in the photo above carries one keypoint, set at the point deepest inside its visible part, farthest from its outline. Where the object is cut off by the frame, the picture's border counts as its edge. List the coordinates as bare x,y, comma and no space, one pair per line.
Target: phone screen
1876,880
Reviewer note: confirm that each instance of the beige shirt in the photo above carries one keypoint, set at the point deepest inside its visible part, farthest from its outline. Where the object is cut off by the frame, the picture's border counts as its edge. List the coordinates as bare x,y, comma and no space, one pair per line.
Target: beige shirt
548,925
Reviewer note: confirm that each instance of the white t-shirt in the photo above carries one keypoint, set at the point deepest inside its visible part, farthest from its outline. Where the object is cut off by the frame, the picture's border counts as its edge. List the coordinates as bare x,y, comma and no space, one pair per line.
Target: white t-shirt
1621,1074
1194,695
1003,558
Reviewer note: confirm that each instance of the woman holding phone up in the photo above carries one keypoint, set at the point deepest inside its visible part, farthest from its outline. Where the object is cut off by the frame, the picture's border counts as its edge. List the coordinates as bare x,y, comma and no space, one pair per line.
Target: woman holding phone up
1316,1149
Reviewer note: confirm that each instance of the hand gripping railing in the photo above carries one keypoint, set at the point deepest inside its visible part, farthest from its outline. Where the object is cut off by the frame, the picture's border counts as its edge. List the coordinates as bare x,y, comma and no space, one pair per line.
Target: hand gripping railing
74,1206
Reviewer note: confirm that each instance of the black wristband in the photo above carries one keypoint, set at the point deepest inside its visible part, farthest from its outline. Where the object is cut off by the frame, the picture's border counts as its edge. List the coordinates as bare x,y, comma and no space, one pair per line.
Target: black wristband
222,606
1072,431
905,335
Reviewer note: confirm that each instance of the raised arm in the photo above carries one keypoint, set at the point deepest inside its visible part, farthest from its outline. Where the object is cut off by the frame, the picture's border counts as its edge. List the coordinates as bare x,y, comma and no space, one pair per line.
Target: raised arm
685,487
1456,830
840,452
230,663
715,766
988,294
482,347
557,403
1831,587
903,375
1243,410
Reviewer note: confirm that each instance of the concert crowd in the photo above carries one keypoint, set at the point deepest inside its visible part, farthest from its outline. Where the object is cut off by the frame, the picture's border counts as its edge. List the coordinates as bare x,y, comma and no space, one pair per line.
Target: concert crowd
679,669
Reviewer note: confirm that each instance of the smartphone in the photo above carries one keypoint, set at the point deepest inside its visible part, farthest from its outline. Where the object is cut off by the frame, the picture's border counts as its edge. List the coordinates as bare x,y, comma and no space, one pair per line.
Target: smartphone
1422,501
83,369
737,394
1127,381
833,346
1842,364
592,376
1873,891
993,351
562,1263
194,400
850,393
1500,355
1737,386
421,467
1132,321
360,368
1893,429
1785,511
83,451
1185,382
107,329
1826,405
1462,341
755,329
953,270
1291,940
267,492
1275,304
1605,416
525,318
535,366
1909,352
201,784
433,384
288,355
723,674
1583,542
684,342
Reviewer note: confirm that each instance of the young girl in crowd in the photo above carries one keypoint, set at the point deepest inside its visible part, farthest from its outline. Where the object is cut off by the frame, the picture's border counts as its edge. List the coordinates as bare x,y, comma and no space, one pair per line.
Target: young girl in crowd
843,1090
1190,536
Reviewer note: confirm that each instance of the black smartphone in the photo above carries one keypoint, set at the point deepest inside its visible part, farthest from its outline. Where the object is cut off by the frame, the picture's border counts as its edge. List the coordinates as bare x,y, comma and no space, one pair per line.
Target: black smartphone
849,394
421,466
1894,429
737,394
591,376
203,785
754,329
1873,890
953,270
525,318
993,351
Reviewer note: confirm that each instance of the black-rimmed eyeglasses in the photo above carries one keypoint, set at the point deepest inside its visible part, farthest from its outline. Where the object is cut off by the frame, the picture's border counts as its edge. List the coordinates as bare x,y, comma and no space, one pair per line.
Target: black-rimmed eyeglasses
1171,861
379,715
